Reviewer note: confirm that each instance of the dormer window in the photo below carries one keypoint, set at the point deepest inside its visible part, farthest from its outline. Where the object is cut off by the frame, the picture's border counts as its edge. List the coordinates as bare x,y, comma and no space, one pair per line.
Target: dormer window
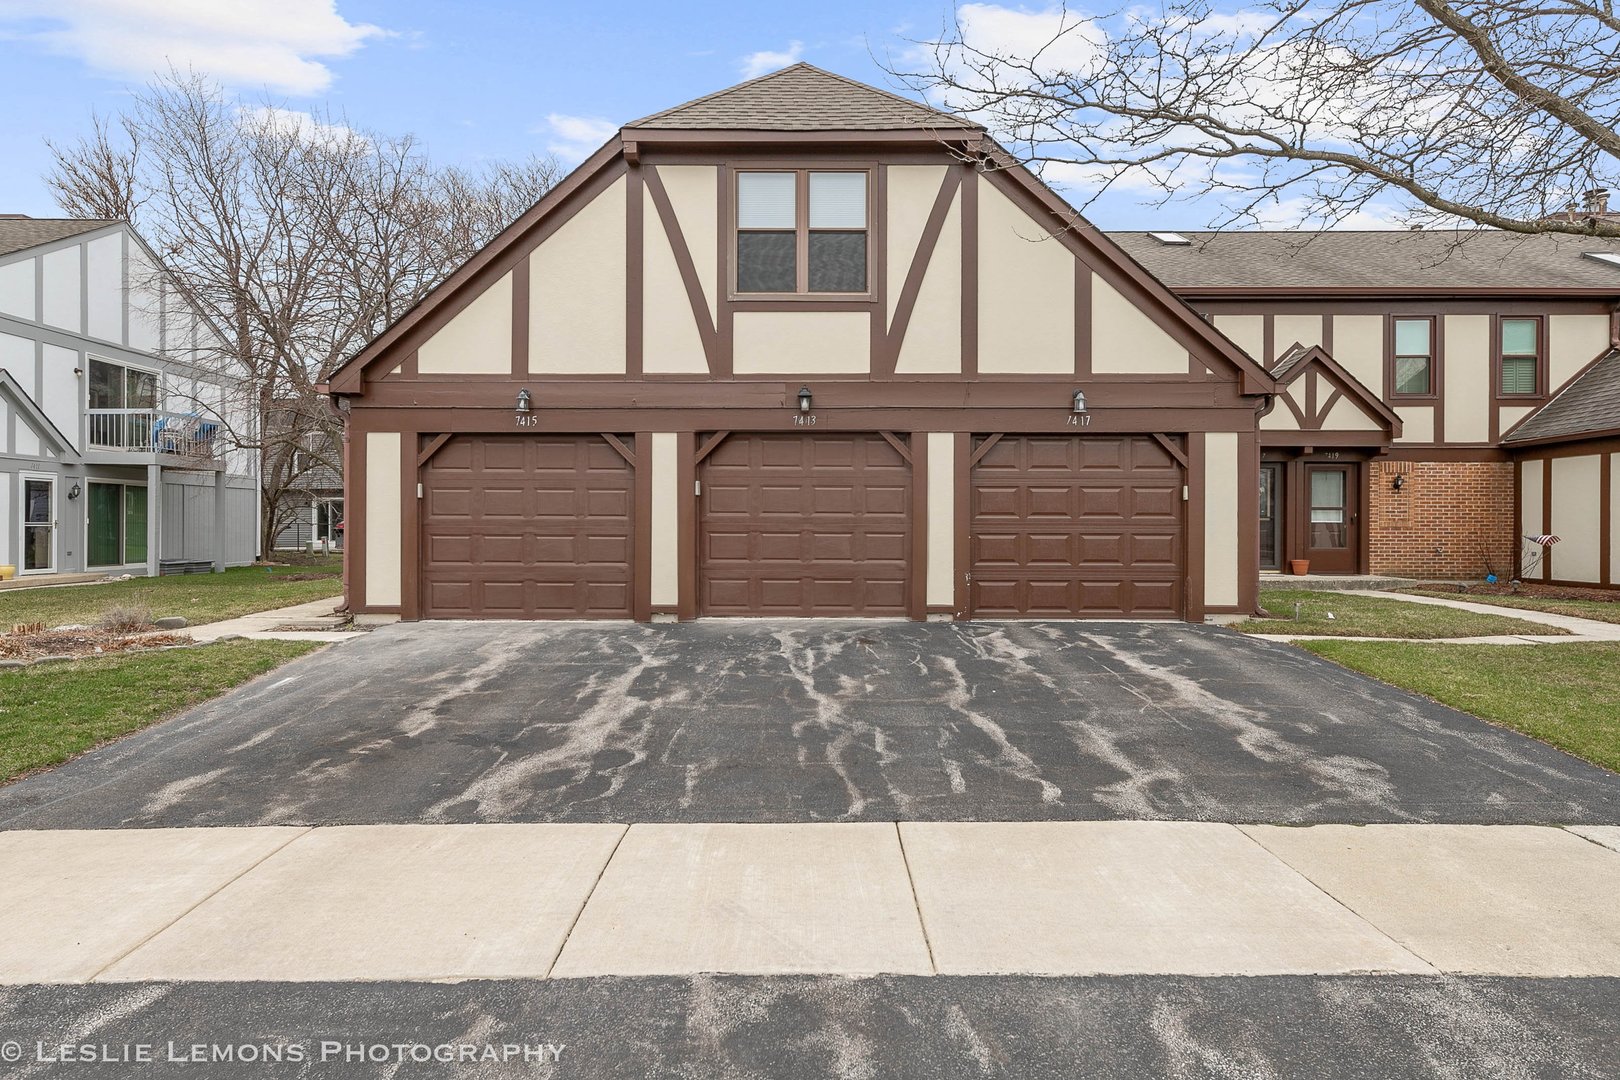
802,231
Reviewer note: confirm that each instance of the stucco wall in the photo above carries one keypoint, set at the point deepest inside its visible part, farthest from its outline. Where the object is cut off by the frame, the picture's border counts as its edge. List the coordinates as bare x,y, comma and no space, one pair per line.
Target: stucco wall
1026,290
666,497
801,342
941,584
1577,502
1467,379
670,338
1125,340
577,291
383,518
1221,569
478,341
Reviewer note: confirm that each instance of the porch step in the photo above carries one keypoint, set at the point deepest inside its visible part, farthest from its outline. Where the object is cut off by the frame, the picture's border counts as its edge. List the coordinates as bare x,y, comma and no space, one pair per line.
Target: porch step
40,581
185,566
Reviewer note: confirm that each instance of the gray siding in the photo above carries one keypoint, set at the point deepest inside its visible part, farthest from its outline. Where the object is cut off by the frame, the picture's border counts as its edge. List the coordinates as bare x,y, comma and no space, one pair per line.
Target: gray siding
188,518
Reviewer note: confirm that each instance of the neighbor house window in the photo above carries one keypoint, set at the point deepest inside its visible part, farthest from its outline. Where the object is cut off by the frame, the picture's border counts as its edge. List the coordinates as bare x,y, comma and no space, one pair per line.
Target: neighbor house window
1520,362
1414,357
801,231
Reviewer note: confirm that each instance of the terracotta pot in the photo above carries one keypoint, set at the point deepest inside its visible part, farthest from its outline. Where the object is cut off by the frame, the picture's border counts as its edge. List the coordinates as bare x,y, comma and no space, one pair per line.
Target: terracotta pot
1299,567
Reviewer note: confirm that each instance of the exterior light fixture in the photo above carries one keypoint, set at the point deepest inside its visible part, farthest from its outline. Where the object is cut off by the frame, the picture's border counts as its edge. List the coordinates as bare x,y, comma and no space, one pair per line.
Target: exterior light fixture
1400,481
1079,402
74,492
804,399
524,402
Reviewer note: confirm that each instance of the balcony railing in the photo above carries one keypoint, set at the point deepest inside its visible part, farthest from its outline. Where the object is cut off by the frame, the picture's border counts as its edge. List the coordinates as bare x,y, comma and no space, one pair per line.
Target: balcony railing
152,431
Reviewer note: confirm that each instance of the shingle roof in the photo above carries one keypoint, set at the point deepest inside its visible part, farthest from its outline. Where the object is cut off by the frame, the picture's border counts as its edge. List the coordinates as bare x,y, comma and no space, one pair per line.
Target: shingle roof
1430,259
802,98
20,233
1589,404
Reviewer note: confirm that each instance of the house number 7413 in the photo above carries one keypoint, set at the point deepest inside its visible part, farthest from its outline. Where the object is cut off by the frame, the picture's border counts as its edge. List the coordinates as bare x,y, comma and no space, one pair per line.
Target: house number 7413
805,419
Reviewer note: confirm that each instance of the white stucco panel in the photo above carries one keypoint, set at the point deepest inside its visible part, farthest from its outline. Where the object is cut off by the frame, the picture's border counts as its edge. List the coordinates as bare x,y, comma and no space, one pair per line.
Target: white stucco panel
383,518
933,341
692,191
104,278
1358,347
941,579
801,342
1221,519
577,291
17,289
63,290
1468,378
670,338
477,341
1125,340
1531,475
666,497
1026,291
1288,329
912,190
1577,517
1348,415
62,392
1573,341
1248,332
1417,423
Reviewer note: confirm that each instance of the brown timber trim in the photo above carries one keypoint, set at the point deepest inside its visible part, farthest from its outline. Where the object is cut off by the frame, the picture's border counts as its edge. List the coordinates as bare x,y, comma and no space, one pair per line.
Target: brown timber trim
983,449
970,270
721,364
1443,453
635,266
877,266
899,446
686,518
1171,448
433,447
520,319
1082,319
651,136
963,512
1249,522
1327,406
1383,292
349,506
887,356
1372,441
1197,462
708,446
625,452
410,527
695,297
917,585
641,578
1268,339
1293,406
407,368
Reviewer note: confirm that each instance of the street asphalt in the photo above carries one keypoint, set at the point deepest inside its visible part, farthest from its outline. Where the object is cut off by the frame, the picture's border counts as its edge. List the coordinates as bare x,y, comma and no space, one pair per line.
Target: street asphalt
758,721
919,1028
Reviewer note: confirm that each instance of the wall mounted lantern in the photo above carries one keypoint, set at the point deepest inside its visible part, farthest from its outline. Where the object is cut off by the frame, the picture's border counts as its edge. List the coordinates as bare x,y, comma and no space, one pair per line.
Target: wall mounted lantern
525,402
1400,481
804,399
1079,401
74,492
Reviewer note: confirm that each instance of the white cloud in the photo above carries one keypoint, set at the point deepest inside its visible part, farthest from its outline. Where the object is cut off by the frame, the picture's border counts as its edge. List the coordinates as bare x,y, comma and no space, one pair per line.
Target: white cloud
306,127
1056,38
762,63
575,138
280,45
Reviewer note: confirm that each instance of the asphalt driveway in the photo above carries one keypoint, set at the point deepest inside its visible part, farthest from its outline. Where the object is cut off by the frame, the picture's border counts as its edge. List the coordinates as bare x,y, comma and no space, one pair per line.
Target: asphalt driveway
813,721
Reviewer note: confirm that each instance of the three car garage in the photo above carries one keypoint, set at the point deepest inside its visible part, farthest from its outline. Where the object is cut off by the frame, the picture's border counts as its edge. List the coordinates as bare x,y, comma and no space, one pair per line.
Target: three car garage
803,525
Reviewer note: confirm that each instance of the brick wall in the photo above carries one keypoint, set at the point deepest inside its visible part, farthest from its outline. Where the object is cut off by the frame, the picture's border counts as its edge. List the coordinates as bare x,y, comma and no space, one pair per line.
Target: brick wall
1447,521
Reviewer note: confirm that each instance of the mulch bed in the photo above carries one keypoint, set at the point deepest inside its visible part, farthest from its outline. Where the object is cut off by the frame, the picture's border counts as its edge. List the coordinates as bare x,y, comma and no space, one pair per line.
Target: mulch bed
28,643
1544,592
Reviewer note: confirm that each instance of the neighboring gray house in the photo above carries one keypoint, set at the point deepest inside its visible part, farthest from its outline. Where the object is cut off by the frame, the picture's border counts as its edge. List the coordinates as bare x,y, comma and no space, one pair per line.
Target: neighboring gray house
118,434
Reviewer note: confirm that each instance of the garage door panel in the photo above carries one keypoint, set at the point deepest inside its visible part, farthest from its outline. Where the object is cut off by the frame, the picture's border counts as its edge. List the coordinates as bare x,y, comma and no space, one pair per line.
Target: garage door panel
796,525
1076,526
527,527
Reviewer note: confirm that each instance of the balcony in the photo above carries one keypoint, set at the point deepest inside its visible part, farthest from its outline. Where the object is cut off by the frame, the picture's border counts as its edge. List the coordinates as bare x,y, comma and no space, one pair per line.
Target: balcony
168,435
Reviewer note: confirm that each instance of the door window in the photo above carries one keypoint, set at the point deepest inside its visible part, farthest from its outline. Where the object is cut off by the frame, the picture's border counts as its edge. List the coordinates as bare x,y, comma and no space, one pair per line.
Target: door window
1327,509
1269,555
39,524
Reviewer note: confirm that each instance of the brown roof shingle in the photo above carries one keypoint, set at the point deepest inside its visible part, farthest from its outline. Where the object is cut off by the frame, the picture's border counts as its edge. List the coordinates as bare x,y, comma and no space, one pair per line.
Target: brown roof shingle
1429,259
21,233
802,98
1588,405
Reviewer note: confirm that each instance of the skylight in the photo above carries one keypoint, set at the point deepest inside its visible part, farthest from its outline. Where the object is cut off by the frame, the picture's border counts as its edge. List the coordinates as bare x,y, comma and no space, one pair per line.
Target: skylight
1172,238
1610,258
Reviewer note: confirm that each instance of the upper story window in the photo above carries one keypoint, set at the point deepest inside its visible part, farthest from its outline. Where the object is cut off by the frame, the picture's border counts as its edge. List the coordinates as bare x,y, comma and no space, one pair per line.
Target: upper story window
1519,365
114,386
1414,357
801,231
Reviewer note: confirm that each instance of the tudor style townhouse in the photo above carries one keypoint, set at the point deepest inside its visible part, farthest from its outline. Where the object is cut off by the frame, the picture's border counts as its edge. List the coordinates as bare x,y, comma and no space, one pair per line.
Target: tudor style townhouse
804,348
119,429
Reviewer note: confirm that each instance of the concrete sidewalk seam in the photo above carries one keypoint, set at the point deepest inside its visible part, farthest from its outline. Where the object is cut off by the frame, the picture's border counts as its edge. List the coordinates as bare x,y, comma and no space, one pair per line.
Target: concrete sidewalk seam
1359,917
172,923
922,921
572,923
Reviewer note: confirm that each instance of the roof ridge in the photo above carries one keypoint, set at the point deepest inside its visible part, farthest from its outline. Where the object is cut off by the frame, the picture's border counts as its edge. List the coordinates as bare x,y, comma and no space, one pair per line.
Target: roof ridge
711,95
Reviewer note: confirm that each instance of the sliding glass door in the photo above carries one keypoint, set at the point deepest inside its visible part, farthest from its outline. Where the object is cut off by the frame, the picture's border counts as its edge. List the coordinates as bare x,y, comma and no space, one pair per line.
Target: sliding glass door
117,524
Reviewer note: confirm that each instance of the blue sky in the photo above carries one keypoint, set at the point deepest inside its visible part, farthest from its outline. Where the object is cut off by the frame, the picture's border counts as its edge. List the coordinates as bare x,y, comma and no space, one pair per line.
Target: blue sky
475,79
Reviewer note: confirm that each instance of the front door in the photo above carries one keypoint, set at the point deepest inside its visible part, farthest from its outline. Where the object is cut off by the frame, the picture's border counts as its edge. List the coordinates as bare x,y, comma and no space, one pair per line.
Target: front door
1271,516
39,524
1330,524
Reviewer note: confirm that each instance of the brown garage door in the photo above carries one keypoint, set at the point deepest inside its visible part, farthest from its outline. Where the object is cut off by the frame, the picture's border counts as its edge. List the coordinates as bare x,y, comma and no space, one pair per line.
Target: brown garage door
804,525
1076,525
527,527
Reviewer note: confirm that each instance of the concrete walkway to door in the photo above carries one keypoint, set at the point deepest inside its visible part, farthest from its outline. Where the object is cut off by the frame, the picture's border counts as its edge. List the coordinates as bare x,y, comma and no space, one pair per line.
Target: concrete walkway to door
916,898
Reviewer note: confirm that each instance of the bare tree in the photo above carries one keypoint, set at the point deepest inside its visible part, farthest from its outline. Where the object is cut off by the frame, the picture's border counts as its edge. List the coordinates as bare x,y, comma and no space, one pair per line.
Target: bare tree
1499,114
297,236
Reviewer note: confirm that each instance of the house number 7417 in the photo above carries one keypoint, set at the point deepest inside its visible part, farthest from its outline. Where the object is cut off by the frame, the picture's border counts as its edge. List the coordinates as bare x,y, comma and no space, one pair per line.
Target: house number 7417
1079,419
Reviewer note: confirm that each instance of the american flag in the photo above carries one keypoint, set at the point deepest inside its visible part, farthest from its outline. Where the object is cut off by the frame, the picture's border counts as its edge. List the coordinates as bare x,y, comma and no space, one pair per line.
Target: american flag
1545,539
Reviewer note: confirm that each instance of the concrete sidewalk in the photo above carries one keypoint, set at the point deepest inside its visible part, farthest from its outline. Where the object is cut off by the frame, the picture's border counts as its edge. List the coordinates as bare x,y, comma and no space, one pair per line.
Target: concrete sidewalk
1573,628
449,902
316,619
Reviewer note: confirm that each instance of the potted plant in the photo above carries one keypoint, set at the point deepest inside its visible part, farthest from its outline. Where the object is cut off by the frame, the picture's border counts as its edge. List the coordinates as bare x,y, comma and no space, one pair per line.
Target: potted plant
1299,567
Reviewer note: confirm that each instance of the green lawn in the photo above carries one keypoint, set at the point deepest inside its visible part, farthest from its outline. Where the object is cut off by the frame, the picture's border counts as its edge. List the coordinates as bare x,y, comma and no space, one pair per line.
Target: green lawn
1374,616
1566,695
51,712
201,598
1601,610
